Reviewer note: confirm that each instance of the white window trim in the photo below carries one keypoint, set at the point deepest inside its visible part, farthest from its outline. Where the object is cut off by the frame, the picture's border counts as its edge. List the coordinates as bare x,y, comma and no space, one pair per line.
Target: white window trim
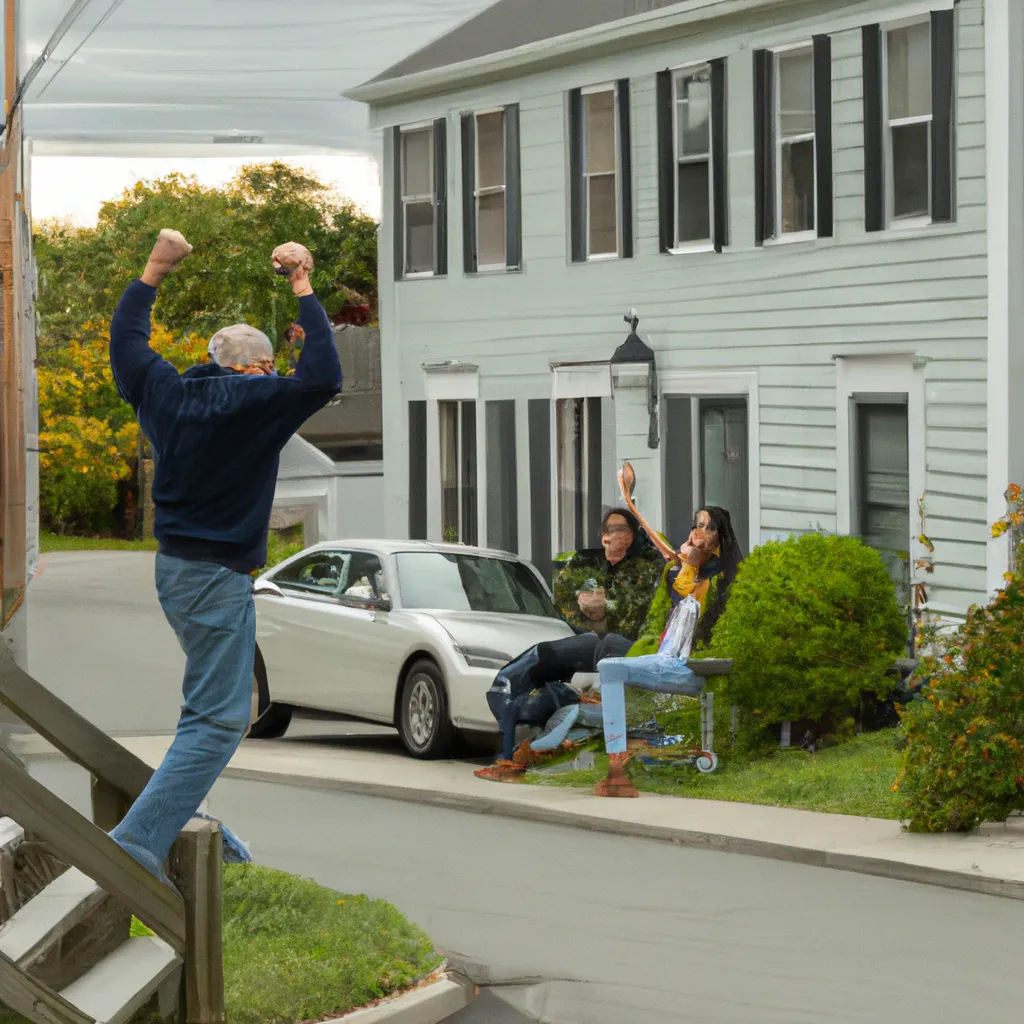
697,244
590,90
452,384
490,190
742,383
922,220
780,235
895,374
409,200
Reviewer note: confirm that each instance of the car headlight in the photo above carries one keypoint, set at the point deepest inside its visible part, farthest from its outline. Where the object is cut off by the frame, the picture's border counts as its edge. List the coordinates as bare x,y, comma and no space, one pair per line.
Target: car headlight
485,657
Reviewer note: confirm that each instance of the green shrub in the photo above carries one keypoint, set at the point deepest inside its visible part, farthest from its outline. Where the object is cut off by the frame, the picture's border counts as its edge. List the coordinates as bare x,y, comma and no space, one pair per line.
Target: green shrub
811,625
963,760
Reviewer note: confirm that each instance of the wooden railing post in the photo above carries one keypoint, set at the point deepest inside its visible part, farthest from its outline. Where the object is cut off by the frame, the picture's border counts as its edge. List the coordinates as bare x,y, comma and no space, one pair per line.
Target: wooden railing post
197,873
109,804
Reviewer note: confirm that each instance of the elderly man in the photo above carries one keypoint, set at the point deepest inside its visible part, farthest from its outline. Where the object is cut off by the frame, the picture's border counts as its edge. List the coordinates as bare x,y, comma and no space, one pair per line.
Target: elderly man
217,430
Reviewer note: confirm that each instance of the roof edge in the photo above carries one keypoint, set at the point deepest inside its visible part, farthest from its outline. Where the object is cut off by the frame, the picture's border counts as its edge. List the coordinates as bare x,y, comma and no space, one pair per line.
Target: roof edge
633,30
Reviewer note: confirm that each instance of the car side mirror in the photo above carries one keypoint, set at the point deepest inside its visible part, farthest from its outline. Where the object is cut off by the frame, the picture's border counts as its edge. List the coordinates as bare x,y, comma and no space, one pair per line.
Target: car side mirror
266,588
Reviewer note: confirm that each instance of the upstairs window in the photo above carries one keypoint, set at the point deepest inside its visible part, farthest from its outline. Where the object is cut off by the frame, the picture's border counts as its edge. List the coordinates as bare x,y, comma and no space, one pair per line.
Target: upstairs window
492,232
908,121
601,195
421,237
692,158
793,141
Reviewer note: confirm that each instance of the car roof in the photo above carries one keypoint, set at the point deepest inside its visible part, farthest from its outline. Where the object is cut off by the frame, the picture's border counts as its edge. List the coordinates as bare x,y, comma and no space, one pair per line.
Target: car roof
394,547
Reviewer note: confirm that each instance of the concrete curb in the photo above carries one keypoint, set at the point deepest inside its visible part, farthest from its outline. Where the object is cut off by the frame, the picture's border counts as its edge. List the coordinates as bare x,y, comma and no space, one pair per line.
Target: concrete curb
429,1004
879,867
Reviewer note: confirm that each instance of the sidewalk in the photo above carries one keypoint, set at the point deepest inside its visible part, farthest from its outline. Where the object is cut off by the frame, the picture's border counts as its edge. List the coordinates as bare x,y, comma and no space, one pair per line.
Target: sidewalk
989,861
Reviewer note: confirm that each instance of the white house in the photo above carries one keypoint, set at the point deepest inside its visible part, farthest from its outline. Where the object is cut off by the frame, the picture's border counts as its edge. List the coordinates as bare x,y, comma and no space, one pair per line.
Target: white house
816,209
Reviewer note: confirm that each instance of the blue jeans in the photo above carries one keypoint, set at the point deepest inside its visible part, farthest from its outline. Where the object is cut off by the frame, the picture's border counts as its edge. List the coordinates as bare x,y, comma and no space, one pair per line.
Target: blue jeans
211,611
656,672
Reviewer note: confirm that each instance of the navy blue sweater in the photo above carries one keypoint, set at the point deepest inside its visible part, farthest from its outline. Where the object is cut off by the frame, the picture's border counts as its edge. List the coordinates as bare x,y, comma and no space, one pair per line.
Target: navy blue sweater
217,434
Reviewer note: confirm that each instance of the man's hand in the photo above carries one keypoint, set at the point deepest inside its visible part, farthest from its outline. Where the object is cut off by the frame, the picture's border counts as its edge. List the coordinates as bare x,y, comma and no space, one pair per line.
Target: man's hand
170,249
592,604
296,261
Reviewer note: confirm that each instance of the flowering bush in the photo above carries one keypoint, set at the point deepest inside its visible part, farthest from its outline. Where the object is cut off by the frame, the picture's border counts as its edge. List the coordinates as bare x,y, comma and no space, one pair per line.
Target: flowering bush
963,763
88,436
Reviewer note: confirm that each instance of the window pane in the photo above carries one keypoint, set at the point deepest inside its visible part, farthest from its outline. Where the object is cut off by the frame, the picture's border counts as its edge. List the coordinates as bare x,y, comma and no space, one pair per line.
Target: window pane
694,114
448,417
797,182
419,238
490,143
601,214
910,170
884,497
724,463
599,137
568,441
796,93
909,54
417,163
490,229
694,202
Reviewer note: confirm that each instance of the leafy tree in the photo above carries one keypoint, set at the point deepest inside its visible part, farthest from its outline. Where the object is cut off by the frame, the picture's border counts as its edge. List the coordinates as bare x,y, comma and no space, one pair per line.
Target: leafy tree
227,279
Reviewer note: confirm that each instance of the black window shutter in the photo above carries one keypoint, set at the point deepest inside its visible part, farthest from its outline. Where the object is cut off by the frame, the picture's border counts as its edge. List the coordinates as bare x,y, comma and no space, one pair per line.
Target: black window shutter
469,260
874,145
943,44
441,196
418,470
823,132
666,164
577,212
719,156
539,417
764,190
397,206
513,191
625,169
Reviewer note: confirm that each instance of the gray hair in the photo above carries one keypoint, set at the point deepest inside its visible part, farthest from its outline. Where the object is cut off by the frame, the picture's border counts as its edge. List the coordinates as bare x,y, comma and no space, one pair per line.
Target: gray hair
240,345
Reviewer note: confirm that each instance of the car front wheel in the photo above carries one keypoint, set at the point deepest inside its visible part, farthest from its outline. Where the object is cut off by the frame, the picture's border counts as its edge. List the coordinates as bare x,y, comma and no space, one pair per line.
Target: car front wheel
423,722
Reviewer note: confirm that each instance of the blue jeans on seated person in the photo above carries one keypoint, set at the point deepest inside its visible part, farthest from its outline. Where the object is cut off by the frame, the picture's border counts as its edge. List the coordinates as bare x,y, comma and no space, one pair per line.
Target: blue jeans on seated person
657,672
211,610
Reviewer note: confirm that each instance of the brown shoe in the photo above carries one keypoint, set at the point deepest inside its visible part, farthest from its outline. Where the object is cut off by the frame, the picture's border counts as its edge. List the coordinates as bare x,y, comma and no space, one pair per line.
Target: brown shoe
502,771
617,783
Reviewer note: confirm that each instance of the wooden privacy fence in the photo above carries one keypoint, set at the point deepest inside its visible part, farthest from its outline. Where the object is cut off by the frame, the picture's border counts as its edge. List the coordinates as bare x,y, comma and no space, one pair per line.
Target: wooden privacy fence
68,891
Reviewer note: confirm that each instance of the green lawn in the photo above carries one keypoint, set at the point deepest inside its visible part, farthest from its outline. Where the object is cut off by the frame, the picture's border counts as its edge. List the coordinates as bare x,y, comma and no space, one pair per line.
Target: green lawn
854,778
294,951
61,542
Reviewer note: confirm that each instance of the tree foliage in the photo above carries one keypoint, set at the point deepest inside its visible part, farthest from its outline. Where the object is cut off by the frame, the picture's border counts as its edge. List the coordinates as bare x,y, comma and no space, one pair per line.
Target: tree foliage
226,280
812,625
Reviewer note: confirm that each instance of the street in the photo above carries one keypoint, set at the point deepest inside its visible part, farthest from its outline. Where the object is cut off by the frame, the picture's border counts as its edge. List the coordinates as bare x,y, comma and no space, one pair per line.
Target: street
566,925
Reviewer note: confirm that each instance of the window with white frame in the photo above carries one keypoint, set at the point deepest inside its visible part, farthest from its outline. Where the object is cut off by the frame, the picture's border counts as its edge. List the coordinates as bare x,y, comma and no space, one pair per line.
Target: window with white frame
417,159
793,140
694,190
457,436
601,203
420,193
491,191
795,190
909,121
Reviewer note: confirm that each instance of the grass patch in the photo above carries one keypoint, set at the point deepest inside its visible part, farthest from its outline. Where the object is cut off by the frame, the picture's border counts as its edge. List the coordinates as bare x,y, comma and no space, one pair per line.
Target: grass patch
295,951
62,542
854,778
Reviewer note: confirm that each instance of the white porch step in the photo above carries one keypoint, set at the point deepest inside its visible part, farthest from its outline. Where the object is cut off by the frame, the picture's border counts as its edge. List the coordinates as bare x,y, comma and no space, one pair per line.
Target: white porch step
64,903
123,982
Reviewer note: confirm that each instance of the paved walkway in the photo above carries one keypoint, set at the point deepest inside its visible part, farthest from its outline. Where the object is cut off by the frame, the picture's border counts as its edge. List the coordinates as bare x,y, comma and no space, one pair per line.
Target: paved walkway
989,861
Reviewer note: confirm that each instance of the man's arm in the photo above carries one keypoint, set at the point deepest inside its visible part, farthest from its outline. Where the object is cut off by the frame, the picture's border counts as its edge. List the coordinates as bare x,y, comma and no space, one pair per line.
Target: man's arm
319,368
131,358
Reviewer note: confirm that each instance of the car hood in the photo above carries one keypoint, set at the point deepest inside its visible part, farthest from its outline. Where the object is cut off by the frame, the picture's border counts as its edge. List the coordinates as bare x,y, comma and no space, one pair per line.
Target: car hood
509,634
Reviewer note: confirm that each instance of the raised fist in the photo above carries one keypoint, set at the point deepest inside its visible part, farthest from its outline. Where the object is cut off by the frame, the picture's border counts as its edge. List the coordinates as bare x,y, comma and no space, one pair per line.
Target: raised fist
170,249
290,257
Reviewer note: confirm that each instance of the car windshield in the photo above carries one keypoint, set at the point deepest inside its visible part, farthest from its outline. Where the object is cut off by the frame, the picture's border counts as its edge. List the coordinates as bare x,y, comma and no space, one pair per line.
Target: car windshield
476,583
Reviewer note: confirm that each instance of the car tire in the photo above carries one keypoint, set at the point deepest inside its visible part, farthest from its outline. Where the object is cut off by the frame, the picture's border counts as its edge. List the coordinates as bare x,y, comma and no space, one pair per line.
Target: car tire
423,721
270,721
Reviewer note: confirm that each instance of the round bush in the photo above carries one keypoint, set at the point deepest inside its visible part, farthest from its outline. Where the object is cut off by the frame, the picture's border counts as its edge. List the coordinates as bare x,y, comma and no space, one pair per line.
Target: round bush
812,626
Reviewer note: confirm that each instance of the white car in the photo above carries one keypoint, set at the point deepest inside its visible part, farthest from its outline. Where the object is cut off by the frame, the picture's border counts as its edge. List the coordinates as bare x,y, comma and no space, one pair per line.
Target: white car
406,633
